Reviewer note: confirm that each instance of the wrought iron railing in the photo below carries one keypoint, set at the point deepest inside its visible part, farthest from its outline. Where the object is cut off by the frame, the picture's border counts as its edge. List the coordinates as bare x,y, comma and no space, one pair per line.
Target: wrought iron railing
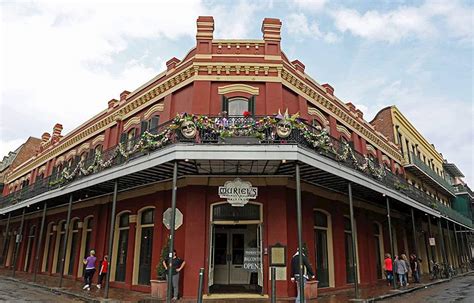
430,172
220,130
462,188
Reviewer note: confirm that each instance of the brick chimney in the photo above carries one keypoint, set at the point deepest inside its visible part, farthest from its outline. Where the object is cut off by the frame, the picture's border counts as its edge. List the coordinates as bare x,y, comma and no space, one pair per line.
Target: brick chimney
298,65
45,138
205,34
112,103
56,132
124,95
329,89
271,29
171,63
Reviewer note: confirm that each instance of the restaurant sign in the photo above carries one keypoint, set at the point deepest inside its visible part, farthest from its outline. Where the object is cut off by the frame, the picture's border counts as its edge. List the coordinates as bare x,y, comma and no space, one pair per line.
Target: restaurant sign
238,192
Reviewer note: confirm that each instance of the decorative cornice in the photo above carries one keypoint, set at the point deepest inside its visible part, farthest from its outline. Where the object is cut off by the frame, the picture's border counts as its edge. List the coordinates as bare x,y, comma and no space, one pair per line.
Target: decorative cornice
237,88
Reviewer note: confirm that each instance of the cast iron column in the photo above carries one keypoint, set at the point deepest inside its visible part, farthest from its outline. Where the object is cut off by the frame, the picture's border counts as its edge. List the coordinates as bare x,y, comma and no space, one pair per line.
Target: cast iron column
111,238
354,244
172,225
443,246
391,238
20,238
415,238
430,236
40,239
6,239
66,235
458,253
449,247
463,251
300,236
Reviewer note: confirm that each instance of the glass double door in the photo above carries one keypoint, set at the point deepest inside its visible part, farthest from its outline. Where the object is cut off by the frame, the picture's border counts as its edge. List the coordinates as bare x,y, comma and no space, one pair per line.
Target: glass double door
229,258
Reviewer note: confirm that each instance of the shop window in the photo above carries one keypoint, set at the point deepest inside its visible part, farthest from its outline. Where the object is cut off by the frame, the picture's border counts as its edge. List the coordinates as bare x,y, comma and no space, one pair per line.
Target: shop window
72,246
60,234
238,105
48,247
29,248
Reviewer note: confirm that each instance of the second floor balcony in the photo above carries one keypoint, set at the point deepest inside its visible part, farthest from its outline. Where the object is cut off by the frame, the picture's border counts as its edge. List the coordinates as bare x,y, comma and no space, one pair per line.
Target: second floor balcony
426,174
264,145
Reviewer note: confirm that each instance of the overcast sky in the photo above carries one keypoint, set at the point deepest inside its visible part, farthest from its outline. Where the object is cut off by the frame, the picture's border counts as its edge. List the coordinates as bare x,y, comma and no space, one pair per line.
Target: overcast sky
62,61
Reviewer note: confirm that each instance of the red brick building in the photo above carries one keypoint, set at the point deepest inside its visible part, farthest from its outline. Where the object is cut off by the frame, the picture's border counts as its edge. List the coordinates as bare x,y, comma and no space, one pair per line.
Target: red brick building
235,111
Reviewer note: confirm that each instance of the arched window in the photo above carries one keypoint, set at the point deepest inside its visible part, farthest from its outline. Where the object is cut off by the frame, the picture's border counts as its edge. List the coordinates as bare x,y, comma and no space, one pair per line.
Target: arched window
48,247
144,246
379,249
131,138
60,234
323,248
122,229
72,246
316,124
85,242
29,248
98,149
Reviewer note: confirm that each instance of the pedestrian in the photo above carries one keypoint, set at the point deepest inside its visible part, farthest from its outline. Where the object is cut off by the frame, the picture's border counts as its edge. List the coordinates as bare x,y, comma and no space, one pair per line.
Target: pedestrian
388,269
89,262
104,265
407,263
295,273
415,268
401,270
177,265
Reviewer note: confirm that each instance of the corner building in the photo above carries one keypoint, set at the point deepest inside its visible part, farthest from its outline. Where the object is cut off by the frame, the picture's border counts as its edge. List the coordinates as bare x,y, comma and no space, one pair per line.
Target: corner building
242,124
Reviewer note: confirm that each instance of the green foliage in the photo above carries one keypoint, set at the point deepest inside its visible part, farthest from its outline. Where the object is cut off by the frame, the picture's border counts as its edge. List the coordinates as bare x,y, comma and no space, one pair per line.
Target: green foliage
160,269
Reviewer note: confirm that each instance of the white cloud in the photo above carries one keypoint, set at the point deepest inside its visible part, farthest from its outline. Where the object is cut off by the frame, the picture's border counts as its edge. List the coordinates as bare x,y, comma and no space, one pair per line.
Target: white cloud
300,28
310,5
407,22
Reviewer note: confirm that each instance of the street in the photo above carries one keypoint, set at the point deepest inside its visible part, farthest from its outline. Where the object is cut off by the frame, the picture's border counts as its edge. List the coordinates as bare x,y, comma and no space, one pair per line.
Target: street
11,291
457,290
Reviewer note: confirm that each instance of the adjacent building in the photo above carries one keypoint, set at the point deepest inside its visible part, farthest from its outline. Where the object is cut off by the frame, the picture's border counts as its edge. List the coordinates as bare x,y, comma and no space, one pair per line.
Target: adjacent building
246,135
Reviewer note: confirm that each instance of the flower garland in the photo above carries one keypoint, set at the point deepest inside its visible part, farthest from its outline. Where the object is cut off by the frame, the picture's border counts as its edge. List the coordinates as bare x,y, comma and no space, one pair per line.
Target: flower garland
264,129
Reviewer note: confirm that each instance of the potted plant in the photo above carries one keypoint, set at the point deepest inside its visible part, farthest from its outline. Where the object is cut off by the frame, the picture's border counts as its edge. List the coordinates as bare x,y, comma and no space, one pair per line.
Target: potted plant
159,287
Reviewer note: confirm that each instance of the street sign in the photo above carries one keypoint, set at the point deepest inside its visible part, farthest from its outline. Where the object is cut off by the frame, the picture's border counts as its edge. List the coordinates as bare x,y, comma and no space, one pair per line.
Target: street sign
432,242
167,218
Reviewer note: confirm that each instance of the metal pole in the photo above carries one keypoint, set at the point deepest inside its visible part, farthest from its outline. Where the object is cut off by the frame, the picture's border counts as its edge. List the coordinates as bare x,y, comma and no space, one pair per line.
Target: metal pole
300,235
415,239
172,225
443,247
391,238
66,234
111,238
273,273
20,238
201,282
5,240
449,247
458,253
354,244
40,240
430,236
463,254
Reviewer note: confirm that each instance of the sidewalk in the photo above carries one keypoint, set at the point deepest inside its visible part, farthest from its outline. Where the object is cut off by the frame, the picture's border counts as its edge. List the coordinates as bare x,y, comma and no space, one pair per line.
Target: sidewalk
74,289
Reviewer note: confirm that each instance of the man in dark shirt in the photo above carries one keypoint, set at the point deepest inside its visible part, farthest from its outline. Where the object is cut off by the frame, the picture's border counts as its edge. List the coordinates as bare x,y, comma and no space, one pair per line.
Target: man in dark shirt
295,273
176,266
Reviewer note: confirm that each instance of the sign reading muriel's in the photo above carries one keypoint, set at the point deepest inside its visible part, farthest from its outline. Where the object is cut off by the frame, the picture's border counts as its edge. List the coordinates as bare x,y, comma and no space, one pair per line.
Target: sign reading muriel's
238,192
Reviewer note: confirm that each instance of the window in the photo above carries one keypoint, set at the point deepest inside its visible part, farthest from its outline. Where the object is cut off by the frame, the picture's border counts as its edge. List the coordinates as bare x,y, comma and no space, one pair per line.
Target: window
61,232
85,242
121,246
48,247
237,106
323,245
29,248
349,249
72,245
144,241
379,249
131,138
150,125
317,124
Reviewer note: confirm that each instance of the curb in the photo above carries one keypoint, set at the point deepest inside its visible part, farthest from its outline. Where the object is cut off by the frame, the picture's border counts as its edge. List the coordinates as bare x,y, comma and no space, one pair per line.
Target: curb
56,290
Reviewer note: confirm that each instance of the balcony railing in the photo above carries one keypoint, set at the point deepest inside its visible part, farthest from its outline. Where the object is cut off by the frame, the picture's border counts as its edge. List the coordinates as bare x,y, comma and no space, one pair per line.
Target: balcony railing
229,130
431,173
461,188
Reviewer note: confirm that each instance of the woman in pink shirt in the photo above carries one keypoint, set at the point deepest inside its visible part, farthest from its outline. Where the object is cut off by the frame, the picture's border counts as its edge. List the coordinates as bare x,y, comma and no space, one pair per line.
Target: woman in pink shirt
388,269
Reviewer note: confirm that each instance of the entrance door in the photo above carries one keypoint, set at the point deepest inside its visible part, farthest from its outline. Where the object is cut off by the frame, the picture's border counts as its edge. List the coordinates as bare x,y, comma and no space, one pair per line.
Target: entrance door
229,248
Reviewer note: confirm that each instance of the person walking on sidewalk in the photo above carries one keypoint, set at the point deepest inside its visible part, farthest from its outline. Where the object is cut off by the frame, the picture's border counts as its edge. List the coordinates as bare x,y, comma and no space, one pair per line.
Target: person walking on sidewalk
295,273
401,270
89,262
388,264
104,265
415,268
407,263
176,266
